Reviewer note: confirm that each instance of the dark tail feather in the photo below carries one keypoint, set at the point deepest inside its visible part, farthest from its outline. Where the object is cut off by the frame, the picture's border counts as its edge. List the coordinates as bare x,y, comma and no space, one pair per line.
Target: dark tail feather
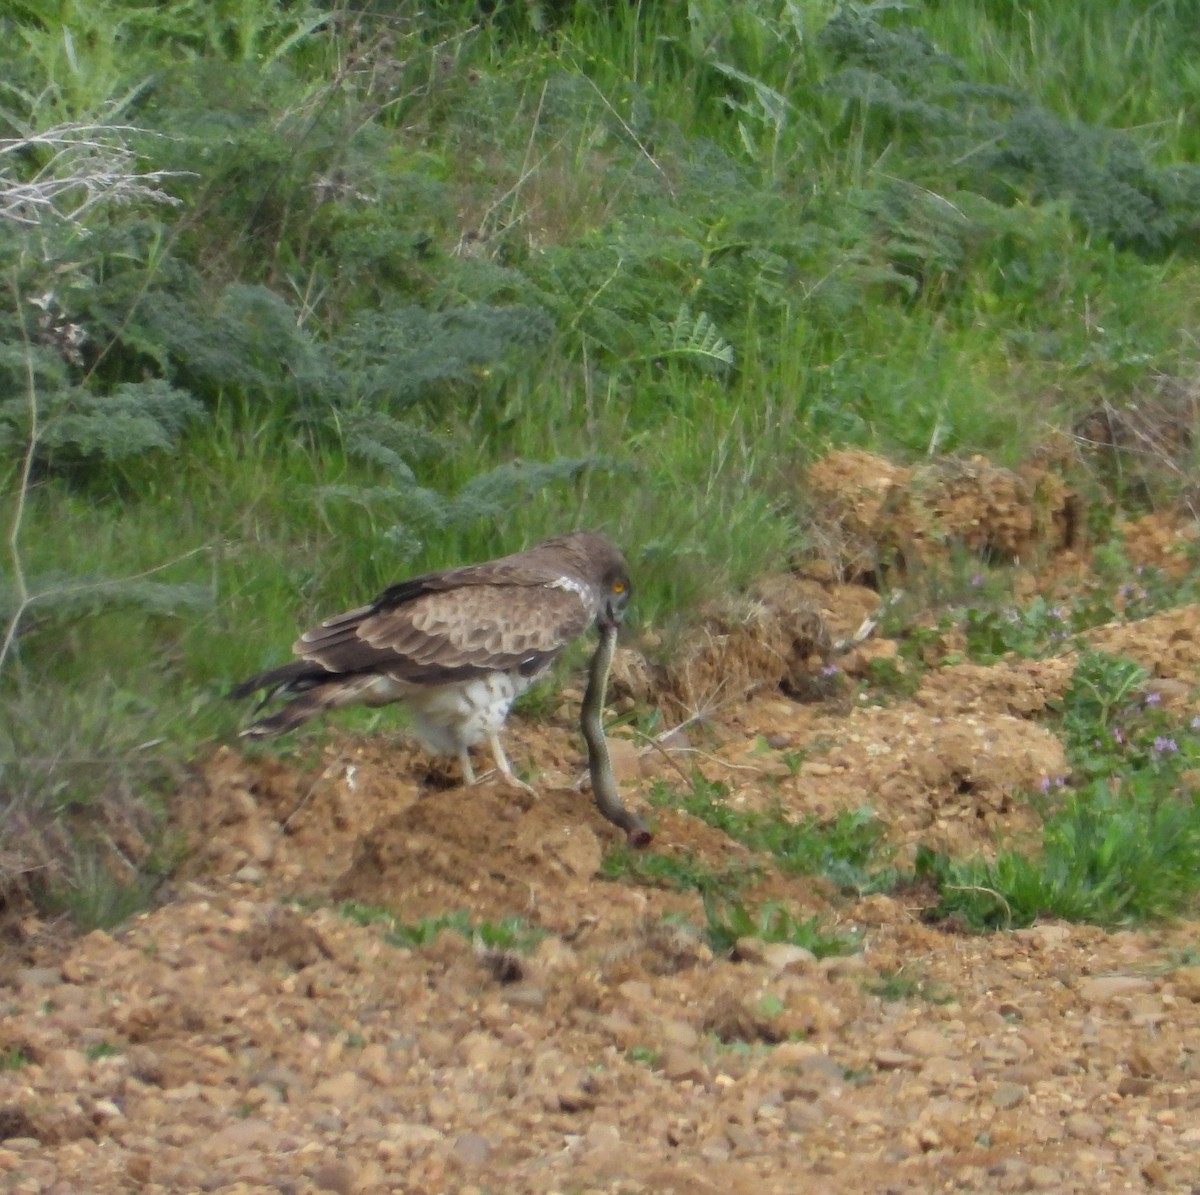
297,678
290,678
295,713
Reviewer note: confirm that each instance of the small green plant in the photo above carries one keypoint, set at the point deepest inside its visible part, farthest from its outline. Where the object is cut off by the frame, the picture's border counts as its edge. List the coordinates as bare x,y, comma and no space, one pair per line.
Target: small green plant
682,872
900,985
728,920
511,933
102,1049
13,1058
645,1055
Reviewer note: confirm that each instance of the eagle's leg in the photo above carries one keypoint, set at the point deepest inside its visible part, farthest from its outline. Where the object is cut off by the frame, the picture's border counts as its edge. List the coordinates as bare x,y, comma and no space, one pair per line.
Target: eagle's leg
505,768
467,770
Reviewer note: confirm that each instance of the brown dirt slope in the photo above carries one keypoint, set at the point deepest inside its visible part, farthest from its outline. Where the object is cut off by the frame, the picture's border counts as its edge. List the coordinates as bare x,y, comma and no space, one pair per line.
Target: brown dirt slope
248,1036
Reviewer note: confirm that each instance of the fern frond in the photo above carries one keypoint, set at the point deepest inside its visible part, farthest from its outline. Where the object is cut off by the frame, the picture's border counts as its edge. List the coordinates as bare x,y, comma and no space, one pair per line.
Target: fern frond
692,336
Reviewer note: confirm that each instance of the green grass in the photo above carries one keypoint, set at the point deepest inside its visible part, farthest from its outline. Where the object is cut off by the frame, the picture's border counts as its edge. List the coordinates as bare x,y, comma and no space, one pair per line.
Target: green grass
681,872
728,920
511,933
440,286
895,986
13,1059
1120,841
847,849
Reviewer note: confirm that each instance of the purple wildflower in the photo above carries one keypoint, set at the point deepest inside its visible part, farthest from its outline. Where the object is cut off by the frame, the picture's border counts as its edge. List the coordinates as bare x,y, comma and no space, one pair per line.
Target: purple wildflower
1164,746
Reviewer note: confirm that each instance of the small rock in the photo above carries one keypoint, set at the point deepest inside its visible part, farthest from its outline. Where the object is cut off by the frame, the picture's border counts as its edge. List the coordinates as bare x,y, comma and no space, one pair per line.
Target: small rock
1186,982
38,977
792,1053
783,957
335,1176
945,1072
1155,1173
471,1149
1112,987
72,1063
602,1136
403,1136
750,950
251,1133
1134,1085
1044,935
1084,1126
525,994
818,1065
892,1060
341,1089
927,1043
844,966
1009,1095
679,1033
1045,1178
679,1065
636,992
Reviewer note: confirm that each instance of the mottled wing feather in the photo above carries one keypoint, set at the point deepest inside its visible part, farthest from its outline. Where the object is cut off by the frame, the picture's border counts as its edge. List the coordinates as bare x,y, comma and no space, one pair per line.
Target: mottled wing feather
463,632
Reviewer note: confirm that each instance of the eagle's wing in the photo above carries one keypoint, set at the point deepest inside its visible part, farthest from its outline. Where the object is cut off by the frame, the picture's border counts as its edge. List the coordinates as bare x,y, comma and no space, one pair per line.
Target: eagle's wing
420,632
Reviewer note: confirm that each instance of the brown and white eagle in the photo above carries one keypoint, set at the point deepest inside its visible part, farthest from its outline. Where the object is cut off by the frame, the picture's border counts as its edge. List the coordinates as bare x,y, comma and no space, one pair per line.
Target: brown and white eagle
458,647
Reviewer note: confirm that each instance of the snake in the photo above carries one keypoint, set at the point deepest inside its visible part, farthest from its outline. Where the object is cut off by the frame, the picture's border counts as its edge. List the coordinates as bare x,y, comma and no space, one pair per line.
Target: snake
604,784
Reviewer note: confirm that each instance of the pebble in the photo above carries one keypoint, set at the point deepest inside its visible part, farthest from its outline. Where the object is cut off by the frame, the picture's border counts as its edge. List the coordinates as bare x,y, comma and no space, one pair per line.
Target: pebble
1084,1126
927,1043
341,1089
37,977
1112,987
338,1177
890,1060
1009,1095
785,958
680,1065
1186,982
472,1149
1045,1178
679,1033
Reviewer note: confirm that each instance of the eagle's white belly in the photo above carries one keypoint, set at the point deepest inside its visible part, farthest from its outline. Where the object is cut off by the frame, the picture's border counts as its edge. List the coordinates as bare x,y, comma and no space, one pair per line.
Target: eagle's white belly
450,718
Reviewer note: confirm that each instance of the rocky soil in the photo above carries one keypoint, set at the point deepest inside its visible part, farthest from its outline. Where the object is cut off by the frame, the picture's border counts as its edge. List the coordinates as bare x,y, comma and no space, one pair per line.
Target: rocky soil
249,1036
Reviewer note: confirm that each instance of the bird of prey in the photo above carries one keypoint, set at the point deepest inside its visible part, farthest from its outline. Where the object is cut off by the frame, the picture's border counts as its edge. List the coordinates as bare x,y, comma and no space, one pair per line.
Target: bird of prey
458,647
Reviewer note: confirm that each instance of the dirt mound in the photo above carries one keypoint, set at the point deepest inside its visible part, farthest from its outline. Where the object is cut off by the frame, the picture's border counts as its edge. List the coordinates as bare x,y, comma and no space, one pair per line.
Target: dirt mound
870,514
776,637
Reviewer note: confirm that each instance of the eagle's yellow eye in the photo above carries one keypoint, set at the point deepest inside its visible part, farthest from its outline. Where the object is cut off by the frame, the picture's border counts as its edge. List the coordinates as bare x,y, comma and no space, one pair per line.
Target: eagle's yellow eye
618,587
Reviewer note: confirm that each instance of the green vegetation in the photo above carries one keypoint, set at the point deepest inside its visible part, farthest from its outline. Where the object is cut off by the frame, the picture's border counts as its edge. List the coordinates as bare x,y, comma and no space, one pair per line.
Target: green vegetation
841,849
901,985
729,920
682,872
511,933
13,1058
1122,842
295,299
102,1049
